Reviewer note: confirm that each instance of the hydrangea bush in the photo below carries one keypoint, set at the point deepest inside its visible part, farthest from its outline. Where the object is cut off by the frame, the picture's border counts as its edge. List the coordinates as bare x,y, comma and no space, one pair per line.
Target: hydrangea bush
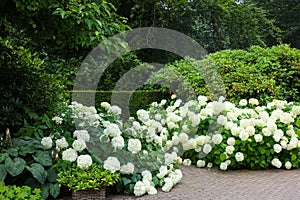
146,150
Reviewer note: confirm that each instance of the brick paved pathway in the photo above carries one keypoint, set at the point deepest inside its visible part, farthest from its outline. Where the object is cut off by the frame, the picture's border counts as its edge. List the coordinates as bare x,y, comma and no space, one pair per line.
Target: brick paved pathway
214,184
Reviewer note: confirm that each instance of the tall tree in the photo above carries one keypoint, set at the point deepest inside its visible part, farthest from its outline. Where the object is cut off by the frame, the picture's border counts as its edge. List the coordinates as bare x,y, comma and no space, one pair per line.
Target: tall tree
216,24
286,14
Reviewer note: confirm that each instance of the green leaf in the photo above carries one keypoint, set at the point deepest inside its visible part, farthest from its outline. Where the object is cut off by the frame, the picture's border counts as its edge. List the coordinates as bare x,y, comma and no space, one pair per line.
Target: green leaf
3,157
155,180
54,189
45,190
298,123
13,152
16,166
126,181
44,158
38,172
51,175
294,157
3,172
222,157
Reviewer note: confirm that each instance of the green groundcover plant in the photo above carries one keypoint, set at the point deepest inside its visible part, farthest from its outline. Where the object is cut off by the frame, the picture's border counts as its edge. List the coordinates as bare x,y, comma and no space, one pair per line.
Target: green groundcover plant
93,177
19,193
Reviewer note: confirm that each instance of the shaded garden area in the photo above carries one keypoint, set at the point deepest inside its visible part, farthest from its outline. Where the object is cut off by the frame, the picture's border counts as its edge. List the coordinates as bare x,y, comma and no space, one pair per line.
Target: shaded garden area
237,107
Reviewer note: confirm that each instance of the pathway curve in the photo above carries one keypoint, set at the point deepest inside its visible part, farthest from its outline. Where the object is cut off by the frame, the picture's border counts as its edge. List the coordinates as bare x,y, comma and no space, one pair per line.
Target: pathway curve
214,184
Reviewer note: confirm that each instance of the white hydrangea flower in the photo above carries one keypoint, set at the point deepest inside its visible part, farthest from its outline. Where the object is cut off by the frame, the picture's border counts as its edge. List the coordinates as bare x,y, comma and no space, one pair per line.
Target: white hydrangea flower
179,160
277,148
228,162
217,138
204,113
183,137
210,165
200,140
286,118
283,144
290,132
112,164
202,98
157,117
288,165
190,144
207,148
201,163
118,142
139,189
177,103
171,125
84,161
146,174
47,142
57,120
175,140
170,157
152,190
258,138
250,130
176,176
142,115
243,102
223,166
194,118
253,101
293,143
168,185
127,169
229,149
163,171
82,135
222,119
112,130
134,145
230,125
266,132
278,135
187,162
115,110
231,141
276,163
173,96
62,143
244,136
79,145
163,102
105,105
270,105
239,156
69,154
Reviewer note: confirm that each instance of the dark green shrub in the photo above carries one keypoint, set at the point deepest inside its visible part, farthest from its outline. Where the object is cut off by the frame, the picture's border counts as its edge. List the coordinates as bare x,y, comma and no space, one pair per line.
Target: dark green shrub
25,90
265,74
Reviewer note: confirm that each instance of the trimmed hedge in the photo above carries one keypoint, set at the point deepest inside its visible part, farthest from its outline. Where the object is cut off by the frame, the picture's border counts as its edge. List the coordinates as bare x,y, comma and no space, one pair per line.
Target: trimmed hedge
265,74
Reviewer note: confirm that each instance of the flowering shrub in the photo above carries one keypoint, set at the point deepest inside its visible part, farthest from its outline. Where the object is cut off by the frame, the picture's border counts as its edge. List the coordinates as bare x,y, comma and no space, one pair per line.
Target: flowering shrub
146,150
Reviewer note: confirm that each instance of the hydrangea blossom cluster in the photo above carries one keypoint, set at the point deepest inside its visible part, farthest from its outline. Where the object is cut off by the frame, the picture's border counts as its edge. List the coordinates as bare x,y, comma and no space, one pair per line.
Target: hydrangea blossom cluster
195,132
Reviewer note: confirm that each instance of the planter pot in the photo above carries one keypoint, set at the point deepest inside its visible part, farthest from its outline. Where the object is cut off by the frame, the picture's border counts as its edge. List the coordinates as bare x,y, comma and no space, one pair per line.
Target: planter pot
89,194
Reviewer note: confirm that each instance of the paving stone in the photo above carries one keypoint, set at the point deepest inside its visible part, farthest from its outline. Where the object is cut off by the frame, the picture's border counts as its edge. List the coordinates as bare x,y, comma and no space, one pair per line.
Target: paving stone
214,184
